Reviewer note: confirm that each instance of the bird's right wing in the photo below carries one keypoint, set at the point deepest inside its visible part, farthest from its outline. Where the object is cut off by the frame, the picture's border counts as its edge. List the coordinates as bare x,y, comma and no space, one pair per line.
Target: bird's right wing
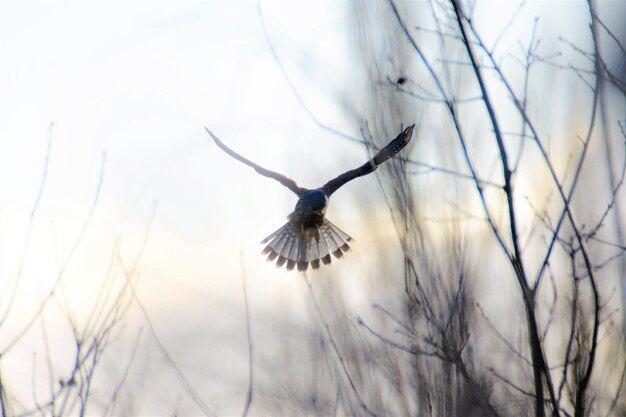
287,182
385,153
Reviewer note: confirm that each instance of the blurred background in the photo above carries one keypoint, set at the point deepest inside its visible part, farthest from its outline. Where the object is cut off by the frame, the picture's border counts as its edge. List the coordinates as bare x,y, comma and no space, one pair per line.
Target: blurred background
131,280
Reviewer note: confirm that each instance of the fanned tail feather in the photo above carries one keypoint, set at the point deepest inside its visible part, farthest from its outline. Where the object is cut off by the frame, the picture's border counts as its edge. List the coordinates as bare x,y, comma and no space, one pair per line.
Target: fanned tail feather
291,248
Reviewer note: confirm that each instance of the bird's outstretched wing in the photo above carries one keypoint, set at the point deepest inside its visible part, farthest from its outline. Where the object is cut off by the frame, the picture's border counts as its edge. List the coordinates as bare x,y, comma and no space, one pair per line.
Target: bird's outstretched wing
287,182
385,153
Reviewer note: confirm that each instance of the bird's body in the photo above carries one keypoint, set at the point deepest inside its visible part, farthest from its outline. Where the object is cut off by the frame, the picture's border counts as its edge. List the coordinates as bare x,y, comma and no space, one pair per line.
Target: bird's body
309,237
310,209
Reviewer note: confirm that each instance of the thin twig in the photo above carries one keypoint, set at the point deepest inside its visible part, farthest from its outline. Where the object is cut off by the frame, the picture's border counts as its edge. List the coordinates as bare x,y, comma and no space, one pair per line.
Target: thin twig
540,365
249,393
111,404
65,265
128,273
42,185
342,362
396,345
502,338
293,88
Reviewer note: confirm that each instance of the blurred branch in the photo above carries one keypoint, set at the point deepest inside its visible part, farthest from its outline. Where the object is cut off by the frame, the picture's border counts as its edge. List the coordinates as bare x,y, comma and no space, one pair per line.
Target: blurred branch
61,272
129,274
445,370
113,401
511,384
451,106
3,395
295,90
508,25
342,362
529,55
546,158
502,338
398,346
370,146
581,392
572,331
619,390
249,394
20,270
44,175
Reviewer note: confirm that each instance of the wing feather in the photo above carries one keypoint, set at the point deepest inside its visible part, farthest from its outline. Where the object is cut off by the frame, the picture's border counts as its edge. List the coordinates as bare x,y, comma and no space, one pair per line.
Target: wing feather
384,154
287,182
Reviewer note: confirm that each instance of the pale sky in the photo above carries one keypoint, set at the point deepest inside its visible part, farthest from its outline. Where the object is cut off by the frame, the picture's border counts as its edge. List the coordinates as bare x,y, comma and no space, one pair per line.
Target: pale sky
139,80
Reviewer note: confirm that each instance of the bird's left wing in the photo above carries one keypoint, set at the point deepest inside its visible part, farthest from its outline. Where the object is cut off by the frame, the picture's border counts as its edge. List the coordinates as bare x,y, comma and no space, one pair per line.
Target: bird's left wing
287,182
385,153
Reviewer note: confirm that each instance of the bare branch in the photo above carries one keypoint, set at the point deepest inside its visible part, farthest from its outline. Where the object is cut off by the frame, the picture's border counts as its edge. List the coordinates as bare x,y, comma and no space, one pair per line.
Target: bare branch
249,394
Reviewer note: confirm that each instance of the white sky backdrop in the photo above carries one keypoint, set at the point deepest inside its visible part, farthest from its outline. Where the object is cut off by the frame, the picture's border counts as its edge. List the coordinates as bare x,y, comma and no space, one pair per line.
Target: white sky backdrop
139,80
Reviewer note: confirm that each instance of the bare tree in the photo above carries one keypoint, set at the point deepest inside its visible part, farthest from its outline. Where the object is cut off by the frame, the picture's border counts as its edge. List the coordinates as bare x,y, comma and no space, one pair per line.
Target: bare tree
69,364
498,288
525,216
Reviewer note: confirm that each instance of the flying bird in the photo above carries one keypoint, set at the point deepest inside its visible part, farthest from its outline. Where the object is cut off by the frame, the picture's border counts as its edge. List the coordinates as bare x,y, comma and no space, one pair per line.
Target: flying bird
308,236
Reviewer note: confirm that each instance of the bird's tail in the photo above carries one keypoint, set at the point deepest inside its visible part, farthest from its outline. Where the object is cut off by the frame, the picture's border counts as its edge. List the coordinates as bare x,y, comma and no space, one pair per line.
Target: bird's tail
295,247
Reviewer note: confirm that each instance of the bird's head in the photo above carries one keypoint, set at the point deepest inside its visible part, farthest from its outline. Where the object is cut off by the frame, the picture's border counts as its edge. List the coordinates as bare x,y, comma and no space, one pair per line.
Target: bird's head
316,200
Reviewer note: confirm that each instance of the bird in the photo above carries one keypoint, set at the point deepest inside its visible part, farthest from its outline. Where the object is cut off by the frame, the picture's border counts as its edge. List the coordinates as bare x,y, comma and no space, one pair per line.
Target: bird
309,237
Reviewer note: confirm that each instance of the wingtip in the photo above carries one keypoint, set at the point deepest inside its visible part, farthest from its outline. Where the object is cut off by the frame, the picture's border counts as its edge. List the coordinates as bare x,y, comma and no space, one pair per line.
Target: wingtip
212,136
407,134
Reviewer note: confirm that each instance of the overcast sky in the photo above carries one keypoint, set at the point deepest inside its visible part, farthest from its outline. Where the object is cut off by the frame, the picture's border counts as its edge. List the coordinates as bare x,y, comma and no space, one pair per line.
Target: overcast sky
137,81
